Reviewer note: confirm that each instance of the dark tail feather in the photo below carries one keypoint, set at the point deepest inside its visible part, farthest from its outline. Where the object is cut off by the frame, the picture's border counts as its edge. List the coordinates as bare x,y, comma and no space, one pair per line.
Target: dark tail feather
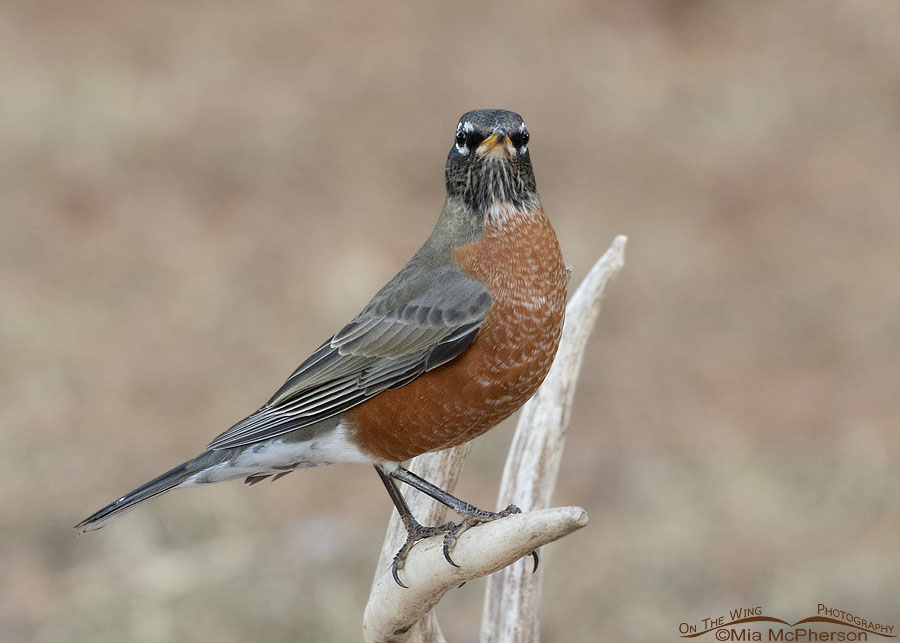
158,485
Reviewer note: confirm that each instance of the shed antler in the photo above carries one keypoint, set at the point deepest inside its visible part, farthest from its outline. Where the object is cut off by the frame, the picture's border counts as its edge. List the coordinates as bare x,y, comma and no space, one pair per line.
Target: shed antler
403,615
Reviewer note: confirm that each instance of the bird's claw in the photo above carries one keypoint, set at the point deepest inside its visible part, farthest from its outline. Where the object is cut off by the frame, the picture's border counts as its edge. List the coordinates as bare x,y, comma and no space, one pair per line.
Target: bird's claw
451,536
395,576
452,532
414,534
446,549
513,509
478,518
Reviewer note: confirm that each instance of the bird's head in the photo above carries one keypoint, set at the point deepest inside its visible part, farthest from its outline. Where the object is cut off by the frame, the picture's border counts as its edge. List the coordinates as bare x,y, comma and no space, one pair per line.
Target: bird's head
489,161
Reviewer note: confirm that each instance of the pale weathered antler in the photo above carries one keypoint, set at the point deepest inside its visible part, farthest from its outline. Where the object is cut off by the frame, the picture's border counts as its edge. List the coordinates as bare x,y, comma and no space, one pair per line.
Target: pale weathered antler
403,615
513,596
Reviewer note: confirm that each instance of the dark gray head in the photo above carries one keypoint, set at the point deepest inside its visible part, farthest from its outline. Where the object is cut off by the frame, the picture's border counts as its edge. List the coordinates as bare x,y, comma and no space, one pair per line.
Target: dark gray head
489,161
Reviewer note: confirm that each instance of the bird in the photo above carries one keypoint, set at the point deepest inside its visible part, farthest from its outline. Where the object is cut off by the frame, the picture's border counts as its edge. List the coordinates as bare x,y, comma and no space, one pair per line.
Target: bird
456,342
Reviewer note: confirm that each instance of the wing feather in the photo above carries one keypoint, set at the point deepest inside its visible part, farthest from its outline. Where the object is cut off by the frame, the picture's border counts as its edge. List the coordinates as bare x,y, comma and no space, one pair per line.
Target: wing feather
409,328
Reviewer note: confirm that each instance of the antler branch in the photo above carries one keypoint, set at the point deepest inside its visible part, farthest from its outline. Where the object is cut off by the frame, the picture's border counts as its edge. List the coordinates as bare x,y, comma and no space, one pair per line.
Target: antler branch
403,615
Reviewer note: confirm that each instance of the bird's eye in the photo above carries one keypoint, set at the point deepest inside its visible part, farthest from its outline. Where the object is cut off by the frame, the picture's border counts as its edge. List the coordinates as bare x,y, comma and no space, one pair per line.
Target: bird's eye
461,138
520,139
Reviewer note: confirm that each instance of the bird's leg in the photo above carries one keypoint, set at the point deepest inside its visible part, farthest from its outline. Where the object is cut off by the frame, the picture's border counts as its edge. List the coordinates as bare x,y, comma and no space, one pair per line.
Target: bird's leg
415,531
471,515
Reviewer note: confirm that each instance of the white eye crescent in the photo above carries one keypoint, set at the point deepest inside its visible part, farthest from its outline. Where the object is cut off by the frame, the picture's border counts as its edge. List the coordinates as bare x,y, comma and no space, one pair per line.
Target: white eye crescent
462,132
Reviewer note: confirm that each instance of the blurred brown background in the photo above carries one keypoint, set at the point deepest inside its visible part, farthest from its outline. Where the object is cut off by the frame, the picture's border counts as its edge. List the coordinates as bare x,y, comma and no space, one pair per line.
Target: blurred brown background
196,194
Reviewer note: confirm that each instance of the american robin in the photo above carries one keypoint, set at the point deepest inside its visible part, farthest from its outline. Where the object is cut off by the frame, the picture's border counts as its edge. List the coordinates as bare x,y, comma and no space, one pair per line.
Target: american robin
457,341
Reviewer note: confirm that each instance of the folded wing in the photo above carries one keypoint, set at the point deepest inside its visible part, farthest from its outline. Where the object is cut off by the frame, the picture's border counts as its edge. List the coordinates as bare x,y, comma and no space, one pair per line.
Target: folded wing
409,328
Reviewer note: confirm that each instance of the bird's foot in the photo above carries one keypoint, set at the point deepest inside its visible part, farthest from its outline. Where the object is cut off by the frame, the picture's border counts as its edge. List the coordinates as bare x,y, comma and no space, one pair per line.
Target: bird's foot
414,533
475,516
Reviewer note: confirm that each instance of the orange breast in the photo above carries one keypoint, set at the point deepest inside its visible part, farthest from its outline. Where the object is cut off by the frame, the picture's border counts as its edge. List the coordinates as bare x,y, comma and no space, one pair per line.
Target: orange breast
519,261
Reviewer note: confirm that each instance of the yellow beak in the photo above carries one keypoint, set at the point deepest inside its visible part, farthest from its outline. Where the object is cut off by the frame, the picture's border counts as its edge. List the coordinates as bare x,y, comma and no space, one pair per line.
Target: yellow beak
495,144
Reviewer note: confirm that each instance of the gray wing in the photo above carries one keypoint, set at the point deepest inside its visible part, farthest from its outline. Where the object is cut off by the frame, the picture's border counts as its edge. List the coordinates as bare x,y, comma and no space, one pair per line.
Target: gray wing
410,327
